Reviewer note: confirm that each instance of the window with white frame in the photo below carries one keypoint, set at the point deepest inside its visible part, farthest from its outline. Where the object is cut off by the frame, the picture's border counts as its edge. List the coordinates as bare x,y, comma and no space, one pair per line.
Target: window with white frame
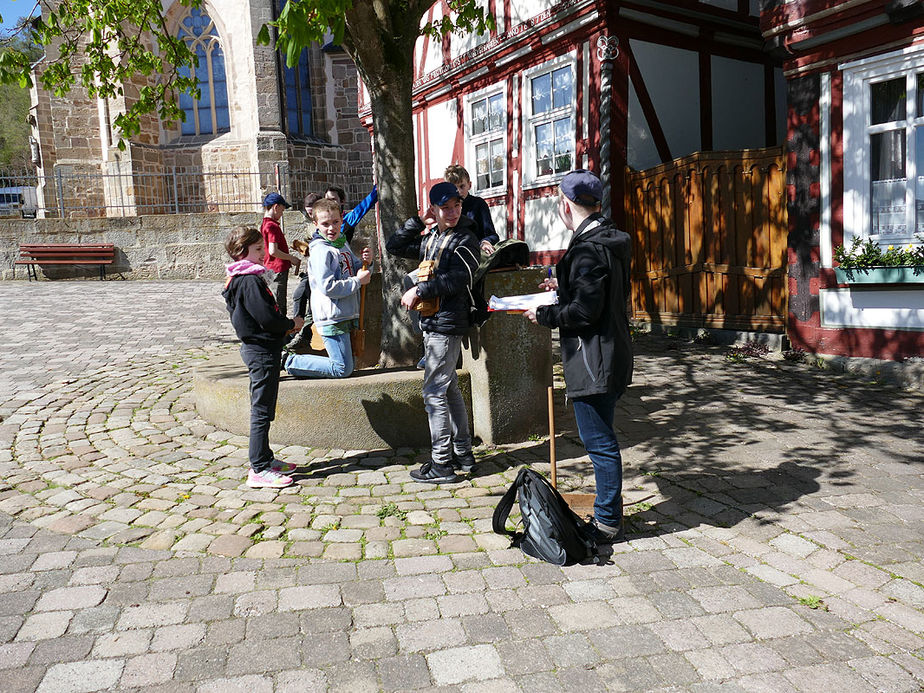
549,106
884,147
486,113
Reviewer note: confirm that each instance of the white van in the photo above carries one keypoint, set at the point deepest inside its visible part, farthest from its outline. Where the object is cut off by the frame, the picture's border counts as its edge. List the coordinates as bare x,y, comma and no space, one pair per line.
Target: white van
18,201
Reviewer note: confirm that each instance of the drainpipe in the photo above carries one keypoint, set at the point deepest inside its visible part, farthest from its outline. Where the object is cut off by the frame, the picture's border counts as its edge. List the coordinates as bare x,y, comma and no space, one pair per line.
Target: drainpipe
280,77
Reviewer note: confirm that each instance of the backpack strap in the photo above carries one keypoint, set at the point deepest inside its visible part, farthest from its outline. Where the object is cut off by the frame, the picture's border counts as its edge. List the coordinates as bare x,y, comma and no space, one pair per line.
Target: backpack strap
502,511
472,261
431,253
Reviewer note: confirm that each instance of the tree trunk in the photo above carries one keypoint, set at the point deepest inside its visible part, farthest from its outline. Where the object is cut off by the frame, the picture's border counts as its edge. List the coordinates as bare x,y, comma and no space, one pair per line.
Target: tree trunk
382,47
393,143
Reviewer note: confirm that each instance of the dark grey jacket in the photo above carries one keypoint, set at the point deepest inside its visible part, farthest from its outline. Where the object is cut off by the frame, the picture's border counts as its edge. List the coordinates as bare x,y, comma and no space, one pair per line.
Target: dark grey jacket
452,280
593,286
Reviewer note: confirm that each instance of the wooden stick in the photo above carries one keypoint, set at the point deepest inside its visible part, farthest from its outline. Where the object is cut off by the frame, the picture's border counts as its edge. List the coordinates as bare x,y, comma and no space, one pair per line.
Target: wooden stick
552,439
359,348
362,302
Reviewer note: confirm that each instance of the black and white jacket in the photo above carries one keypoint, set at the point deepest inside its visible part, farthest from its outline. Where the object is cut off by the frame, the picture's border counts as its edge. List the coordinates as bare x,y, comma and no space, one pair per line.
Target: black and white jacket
458,254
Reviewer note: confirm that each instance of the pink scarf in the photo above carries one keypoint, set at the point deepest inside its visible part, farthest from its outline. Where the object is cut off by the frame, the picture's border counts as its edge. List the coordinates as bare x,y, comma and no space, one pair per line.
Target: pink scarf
239,267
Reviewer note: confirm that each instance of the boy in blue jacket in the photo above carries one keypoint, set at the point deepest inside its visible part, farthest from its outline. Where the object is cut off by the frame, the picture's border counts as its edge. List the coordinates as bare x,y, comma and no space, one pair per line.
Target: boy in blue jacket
262,329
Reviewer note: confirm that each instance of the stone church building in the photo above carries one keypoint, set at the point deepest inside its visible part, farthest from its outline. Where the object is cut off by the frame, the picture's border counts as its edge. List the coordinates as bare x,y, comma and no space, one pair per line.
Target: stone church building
257,126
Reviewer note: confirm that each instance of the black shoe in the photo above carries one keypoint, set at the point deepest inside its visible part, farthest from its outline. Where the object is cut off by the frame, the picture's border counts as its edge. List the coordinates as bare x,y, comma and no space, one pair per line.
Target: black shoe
430,473
464,462
606,534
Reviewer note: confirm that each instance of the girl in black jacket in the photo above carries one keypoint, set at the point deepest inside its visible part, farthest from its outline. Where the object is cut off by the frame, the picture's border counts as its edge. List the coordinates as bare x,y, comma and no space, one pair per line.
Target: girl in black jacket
262,329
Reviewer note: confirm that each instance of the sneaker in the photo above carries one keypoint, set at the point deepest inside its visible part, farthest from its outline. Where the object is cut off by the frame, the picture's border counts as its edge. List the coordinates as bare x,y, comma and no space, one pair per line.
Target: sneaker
295,342
268,479
607,534
422,364
464,462
430,473
283,467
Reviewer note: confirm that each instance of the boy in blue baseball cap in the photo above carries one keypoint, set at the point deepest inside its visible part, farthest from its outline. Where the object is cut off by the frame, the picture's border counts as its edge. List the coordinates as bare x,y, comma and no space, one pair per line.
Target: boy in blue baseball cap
449,257
277,258
596,349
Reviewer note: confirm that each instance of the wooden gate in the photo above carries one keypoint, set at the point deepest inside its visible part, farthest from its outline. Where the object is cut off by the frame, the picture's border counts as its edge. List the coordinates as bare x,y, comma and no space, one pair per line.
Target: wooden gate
709,235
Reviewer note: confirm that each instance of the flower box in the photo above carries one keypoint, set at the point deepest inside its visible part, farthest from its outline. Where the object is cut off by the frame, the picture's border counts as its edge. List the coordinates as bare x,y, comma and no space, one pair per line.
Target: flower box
880,275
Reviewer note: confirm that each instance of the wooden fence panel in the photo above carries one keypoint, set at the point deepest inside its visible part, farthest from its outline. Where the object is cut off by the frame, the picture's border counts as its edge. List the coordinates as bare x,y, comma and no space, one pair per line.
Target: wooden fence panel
709,237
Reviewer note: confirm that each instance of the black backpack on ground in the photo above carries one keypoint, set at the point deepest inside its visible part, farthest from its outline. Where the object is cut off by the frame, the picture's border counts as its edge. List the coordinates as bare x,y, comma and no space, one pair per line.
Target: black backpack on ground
552,532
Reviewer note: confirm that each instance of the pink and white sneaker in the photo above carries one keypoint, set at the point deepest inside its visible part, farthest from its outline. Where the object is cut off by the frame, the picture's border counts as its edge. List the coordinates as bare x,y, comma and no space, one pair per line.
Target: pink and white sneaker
283,467
269,478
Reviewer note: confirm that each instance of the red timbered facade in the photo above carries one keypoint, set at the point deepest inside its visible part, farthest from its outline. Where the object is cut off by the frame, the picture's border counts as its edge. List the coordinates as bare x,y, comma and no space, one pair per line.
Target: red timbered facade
586,83
855,76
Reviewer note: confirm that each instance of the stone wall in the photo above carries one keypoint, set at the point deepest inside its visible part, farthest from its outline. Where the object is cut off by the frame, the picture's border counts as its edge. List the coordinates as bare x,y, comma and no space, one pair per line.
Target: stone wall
75,136
164,246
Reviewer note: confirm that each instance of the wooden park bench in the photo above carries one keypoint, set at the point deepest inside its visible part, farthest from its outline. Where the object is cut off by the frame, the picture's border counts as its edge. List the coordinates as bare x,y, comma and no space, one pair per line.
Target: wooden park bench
32,254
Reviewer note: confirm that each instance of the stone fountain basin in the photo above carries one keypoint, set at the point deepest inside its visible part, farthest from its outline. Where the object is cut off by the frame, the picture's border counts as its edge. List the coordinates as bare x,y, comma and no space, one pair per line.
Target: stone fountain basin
372,409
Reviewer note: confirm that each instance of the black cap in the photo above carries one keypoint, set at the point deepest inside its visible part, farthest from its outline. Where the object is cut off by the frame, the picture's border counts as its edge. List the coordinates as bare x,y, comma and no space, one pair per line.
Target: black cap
441,193
583,187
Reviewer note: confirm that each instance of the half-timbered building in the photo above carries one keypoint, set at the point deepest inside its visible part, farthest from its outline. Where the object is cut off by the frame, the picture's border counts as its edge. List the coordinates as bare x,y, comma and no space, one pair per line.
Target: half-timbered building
855,75
608,86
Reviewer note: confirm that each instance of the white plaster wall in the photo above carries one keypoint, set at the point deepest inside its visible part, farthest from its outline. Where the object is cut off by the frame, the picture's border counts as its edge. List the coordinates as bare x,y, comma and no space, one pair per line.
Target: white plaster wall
499,217
418,148
672,78
641,152
459,45
433,58
441,136
521,10
891,309
737,104
779,90
543,230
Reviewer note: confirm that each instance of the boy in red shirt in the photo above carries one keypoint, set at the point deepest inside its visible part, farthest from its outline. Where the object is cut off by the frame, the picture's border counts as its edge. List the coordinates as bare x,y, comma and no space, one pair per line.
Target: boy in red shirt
277,259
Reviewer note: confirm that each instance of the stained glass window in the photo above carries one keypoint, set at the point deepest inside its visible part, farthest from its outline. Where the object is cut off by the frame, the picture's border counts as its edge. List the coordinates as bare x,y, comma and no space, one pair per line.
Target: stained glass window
209,113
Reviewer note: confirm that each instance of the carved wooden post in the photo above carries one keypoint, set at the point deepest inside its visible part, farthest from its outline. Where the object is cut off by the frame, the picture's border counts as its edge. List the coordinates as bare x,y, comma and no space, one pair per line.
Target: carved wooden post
607,51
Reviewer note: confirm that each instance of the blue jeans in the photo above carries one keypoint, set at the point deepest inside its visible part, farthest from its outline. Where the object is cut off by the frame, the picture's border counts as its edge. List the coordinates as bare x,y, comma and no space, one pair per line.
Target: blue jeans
594,415
337,364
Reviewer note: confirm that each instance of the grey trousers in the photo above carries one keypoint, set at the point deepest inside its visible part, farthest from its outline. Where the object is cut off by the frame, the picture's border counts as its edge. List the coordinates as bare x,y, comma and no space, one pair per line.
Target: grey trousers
278,283
442,398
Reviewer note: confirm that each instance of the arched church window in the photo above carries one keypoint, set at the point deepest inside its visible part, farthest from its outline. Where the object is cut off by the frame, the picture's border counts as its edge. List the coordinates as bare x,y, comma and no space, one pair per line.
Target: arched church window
297,83
209,113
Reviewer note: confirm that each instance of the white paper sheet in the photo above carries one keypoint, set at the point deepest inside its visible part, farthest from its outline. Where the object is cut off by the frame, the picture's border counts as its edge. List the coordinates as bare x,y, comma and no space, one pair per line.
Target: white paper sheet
544,298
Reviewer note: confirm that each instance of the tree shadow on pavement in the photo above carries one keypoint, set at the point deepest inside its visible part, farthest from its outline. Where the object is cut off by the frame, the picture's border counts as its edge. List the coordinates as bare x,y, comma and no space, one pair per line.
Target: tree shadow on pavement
718,442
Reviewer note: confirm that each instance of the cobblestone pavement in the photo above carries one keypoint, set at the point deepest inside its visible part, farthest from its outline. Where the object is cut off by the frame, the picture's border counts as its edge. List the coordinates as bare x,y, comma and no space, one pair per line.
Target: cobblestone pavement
775,516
